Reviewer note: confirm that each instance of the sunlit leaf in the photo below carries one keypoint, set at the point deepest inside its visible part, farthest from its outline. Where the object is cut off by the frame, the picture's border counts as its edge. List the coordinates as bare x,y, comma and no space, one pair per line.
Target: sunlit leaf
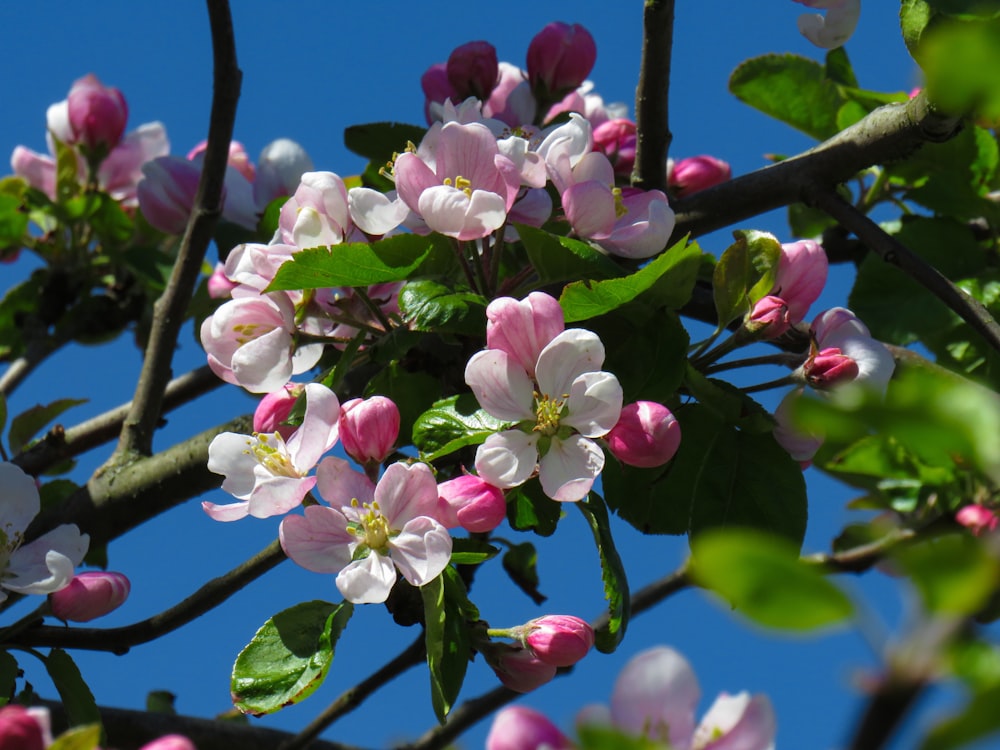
616,591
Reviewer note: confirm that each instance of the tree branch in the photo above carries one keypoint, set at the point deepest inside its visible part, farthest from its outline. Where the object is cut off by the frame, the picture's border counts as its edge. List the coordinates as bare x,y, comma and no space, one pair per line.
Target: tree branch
60,443
653,134
892,251
168,312
886,134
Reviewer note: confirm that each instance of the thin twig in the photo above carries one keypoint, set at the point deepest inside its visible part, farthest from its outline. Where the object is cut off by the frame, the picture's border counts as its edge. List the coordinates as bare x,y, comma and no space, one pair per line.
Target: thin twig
120,640
651,97
168,312
892,251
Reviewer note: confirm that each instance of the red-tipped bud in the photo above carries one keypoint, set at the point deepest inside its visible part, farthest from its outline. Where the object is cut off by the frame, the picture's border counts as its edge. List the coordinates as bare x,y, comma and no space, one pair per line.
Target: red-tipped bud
522,671
274,408
559,640
616,138
697,173
769,317
977,519
219,285
97,113
828,368
647,435
473,70
522,728
369,428
19,730
471,503
90,595
560,58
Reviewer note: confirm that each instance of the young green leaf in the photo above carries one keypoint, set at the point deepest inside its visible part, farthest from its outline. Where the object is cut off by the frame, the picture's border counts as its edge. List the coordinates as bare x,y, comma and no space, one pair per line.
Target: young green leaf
8,676
954,573
78,738
378,140
81,708
28,423
607,637
453,423
447,613
558,258
429,305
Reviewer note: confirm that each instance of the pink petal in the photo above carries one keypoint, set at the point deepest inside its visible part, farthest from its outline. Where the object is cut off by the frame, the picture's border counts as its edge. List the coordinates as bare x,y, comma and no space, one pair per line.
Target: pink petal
228,512
405,492
655,695
319,540
595,403
737,722
275,496
568,470
421,550
339,484
501,385
318,431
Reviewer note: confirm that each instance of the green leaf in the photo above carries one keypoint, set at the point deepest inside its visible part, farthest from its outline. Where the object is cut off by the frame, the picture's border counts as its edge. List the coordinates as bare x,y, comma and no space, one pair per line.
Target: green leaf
977,720
429,305
379,140
110,222
78,738
81,708
954,573
598,737
353,264
558,258
447,612
451,424
792,89
676,269
466,551
161,702
67,171
289,657
20,300
13,221
744,274
761,576
520,562
608,637
529,509
27,424
8,676
838,68
808,222
961,64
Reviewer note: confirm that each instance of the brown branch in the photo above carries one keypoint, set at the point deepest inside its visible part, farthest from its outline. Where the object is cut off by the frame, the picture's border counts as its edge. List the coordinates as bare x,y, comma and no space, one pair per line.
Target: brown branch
61,443
892,251
889,133
168,312
653,134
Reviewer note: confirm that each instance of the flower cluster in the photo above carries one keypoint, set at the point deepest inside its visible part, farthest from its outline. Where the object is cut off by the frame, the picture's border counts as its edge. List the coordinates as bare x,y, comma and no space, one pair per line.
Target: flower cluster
542,646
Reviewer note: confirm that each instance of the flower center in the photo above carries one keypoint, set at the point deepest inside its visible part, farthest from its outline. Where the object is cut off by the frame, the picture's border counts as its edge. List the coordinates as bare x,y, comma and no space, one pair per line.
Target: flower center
620,209
547,413
460,183
246,332
271,453
371,528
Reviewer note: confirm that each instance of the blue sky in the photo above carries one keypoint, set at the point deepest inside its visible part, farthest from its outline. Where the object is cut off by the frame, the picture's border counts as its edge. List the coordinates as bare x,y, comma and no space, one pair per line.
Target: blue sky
311,69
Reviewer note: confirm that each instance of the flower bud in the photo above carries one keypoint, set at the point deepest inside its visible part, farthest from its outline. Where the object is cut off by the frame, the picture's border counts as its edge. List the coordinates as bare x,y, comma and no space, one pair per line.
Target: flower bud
369,428
769,317
280,167
219,285
471,503
19,730
523,728
473,70
977,519
560,58
90,595
559,640
697,173
274,408
170,742
617,138
167,191
521,671
97,113
802,272
647,435
829,367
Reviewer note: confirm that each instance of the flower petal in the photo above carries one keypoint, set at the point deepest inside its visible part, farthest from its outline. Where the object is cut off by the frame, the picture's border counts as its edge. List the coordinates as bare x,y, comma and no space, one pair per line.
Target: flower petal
275,496
501,385
568,470
568,356
405,492
421,550
319,540
318,431
46,564
21,502
655,695
595,403
367,581
339,484
508,458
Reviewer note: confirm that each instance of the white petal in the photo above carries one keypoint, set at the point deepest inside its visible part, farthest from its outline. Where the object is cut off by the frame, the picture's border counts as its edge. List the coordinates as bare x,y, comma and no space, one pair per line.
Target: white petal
318,431
568,356
737,722
508,458
568,470
319,540
275,496
21,502
229,454
228,512
406,492
501,385
46,564
656,694
595,403
374,212
264,364
367,581
421,550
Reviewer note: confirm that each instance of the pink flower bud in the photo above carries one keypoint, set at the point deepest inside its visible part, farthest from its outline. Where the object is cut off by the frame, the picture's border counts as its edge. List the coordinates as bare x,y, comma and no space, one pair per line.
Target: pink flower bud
616,138
473,70
523,728
801,276
471,503
559,640
369,428
170,742
19,730
977,519
523,328
769,317
697,173
829,367
90,595
521,671
97,113
274,408
239,159
436,85
167,191
647,435
560,58
219,285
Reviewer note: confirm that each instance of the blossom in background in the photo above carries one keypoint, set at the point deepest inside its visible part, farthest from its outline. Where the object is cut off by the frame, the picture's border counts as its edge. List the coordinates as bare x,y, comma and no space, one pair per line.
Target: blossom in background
523,728
41,566
839,328
266,474
559,59
369,531
835,28
977,519
96,113
696,173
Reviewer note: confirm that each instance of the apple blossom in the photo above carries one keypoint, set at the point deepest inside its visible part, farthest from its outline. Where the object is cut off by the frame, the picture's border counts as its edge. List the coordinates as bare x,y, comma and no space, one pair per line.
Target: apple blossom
697,173
471,503
646,435
801,276
45,564
274,408
238,159
167,192
523,728
835,28
560,57
839,328
370,530
522,328
97,114
617,139
19,730
769,317
218,285
280,167
90,595
828,368
317,214
977,519
369,428
560,640
472,70
511,100
266,474
737,722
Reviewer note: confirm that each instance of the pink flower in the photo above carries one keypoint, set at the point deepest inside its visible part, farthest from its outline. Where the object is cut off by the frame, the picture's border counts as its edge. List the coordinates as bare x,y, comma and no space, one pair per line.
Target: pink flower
317,214
280,167
523,728
458,182
19,730
170,742
511,101
472,70
267,475
647,434
559,640
737,722
167,192
977,519
471,503
274,408
828,368
801,276
369,428
218,284
833,30
560,57
616,139
239,159
520,670
522,328
697,173
97,113
839,328
90,595
372,531
769,317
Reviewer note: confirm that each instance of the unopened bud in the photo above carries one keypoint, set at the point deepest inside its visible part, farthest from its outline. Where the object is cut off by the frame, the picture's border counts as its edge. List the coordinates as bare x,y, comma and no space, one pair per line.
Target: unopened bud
97,113
560,57
697,173
473,70
19,730
559,640
273,410
472,503
647,435
769,317
617,139
369,428
170,742
522,671
829,367
523,728
977,519
90,595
